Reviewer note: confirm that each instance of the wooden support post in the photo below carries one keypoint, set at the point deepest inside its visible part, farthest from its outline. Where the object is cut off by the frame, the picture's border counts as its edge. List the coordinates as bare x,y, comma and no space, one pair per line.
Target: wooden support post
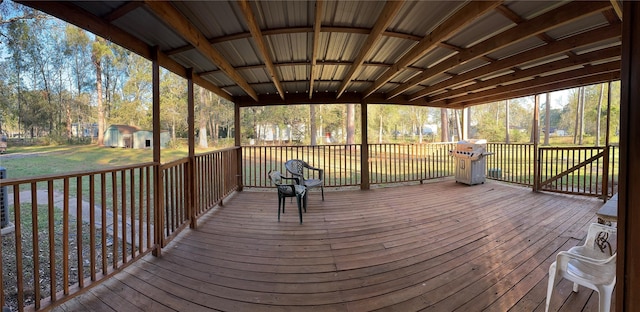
191,177
364,148
238,142
536,137
628,261
605,169
158,201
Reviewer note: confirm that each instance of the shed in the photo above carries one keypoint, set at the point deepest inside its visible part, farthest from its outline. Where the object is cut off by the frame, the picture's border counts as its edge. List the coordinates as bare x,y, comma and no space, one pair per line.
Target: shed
144,139
119,136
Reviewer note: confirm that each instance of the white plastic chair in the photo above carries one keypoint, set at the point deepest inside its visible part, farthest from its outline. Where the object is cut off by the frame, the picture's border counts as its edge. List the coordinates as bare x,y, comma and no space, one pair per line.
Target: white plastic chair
592,265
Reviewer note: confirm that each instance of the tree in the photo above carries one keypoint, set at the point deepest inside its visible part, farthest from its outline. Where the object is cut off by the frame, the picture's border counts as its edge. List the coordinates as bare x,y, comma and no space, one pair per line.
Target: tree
313,132
547,119
506,123
351,123
599,115
99,50
444,125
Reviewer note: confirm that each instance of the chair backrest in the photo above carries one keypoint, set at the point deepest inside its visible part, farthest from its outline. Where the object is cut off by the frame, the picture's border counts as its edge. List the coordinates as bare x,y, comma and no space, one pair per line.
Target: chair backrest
601,239
295,166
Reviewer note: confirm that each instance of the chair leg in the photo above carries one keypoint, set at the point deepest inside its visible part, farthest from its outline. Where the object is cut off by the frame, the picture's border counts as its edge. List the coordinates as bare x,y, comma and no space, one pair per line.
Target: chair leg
322,191
552,280
575,287
299,199
604,297
279,201
304,201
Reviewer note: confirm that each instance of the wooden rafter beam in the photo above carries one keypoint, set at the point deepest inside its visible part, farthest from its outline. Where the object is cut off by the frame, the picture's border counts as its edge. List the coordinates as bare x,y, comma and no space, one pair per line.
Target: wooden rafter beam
256,33
582,59
617,6
387,15
176,21
560,46
578,77
552,19
75,15
317,26
460,19
122,10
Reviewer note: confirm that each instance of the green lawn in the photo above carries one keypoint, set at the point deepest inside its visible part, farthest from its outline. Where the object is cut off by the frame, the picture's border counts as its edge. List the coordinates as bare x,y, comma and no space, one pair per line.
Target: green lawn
29,161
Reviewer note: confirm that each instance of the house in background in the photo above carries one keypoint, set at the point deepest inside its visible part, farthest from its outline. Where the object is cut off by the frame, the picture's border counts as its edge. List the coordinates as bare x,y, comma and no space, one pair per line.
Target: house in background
132,137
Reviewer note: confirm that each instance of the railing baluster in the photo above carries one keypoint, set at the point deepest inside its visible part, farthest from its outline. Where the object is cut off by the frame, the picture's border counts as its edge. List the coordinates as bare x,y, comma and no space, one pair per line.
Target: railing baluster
35,244
79,231
92,227
52,246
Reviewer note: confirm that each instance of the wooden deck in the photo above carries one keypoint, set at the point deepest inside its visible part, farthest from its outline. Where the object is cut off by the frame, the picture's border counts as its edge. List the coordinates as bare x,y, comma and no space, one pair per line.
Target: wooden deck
434,247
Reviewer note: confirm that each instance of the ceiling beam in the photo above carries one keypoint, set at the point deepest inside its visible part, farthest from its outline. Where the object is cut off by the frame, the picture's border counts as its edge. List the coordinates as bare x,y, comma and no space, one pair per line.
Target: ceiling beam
513,90
444,31
535,89
317,25
560,46
254,29
176,21
552,19
122,10
385,18
297,30
617,6
582,59
75,15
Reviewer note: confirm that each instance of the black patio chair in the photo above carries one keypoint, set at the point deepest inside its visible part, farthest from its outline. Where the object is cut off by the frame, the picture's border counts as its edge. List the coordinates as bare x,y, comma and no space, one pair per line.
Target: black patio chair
295,189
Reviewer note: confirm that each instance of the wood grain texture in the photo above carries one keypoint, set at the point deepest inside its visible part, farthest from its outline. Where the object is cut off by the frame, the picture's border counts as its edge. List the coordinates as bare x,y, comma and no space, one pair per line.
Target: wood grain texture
439,246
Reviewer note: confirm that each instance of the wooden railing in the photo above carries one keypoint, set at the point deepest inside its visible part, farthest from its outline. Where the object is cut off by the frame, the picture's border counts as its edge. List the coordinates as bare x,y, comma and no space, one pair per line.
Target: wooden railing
388,163
341,163
393,163
73,230
216,176
578,170
176,214
511,163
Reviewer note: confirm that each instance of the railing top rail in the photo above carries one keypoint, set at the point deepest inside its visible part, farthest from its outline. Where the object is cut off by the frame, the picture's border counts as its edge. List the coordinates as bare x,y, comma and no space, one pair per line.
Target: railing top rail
576,148
219,151
174,163
57,176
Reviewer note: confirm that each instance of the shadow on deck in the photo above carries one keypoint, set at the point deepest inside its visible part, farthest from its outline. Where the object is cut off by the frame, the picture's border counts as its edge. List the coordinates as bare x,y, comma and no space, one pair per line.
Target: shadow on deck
435,247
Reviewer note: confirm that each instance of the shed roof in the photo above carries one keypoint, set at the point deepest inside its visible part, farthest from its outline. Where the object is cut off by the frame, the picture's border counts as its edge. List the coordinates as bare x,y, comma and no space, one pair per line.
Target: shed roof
432,53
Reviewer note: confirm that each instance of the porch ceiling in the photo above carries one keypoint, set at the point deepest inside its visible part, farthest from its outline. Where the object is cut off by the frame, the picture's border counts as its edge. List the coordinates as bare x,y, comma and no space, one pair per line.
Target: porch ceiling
430,53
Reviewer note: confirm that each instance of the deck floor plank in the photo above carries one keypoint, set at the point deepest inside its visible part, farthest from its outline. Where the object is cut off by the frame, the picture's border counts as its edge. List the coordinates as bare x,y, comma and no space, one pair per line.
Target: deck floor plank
434,247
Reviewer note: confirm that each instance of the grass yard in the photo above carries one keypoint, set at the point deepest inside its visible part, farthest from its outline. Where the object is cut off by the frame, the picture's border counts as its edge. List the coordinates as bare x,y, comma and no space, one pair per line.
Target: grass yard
31,161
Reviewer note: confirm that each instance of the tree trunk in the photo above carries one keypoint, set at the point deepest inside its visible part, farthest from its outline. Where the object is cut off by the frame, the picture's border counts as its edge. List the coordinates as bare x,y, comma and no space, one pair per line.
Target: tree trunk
547,119
598,118
312,125
444,125
458,124
506,122
202,121
351,123
380,130
101,122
